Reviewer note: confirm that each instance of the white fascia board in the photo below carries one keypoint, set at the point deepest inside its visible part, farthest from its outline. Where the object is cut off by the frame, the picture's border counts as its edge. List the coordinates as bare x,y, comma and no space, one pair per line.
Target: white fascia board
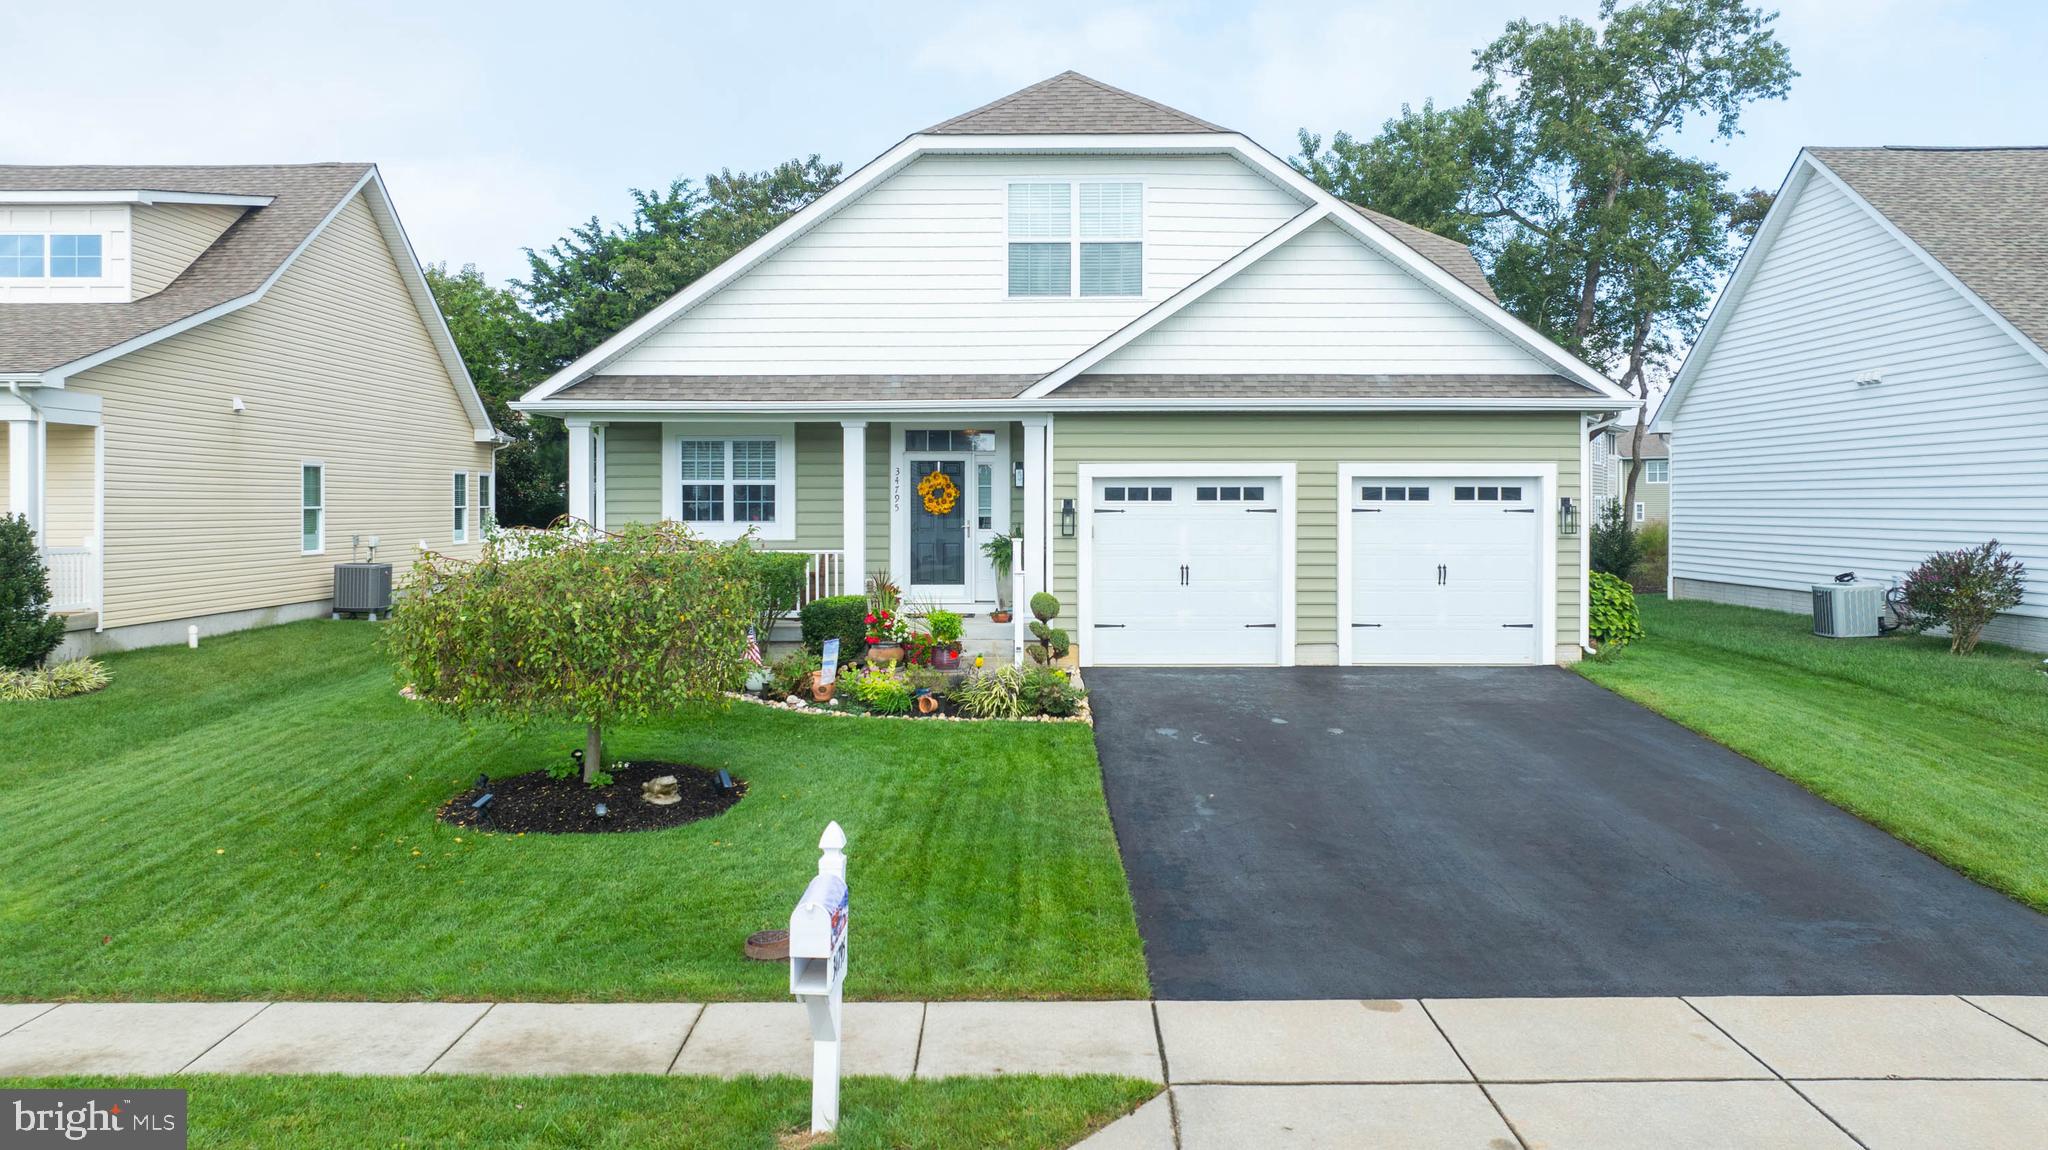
415,277
1724,306
114,196
1016,408
1159,312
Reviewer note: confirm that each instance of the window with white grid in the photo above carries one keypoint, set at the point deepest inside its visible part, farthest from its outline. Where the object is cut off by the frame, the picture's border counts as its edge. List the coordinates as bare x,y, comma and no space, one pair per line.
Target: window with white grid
1068,239
735,481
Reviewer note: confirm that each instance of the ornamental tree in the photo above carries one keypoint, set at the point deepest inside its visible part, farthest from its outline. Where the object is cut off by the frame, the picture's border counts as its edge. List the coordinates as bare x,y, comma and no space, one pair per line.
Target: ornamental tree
1963,590
556,627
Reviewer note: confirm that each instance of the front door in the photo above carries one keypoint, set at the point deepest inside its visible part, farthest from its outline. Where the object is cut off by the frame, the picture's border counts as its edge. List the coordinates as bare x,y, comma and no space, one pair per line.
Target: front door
940,505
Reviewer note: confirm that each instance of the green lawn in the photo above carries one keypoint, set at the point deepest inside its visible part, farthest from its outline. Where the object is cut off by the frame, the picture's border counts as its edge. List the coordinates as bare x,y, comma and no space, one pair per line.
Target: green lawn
256,819
1949,754
617,1113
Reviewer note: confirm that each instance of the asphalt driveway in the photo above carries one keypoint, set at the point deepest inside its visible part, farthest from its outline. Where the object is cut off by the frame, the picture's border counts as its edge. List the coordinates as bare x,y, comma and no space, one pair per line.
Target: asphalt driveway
1394,833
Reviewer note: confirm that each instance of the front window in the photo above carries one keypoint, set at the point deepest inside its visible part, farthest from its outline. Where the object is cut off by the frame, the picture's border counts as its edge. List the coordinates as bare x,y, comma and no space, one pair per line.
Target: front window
1066,236
461,531
729,480
63,255
1657,470
312,508
484,483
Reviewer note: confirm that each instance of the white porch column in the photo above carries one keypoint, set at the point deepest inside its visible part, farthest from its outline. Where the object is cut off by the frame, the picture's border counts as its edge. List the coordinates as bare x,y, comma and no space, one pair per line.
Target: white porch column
25,444
853,503
1037,488
581,485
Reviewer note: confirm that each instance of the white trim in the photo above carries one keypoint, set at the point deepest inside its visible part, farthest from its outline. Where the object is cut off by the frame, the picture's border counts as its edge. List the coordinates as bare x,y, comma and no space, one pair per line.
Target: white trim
99,523
1259,159
853,498
580,490
115,196
78,408
1585,535
600,459
457,536
1015,408
1545,475
783,527
1084,483
321,547
1037,455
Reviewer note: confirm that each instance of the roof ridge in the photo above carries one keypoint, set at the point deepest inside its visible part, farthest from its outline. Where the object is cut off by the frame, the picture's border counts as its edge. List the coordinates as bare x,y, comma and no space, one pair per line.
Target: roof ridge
953,122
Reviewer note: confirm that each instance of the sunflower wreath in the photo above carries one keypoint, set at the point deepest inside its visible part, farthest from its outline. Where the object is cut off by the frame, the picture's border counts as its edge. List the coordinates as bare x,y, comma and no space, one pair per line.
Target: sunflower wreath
939,492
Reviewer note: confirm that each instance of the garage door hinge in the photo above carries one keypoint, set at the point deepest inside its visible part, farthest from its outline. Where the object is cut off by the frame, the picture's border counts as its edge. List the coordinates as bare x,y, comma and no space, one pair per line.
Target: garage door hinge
1522,625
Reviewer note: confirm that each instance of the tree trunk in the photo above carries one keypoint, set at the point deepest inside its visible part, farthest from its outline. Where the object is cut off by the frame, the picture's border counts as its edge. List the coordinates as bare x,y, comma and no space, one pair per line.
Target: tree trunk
593,753
1640,380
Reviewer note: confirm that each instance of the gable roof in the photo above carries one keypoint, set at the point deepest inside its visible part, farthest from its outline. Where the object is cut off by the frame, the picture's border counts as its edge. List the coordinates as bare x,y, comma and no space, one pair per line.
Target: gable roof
1982,212
1656,444
1071,104
36,337
1443,251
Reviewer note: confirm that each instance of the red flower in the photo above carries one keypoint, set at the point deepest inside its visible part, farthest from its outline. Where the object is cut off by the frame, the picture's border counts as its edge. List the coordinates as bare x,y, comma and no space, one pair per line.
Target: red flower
871,618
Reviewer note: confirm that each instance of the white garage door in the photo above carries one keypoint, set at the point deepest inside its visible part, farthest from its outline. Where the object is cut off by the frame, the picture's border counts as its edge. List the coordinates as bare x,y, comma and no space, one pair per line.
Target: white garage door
1185,570
1445,570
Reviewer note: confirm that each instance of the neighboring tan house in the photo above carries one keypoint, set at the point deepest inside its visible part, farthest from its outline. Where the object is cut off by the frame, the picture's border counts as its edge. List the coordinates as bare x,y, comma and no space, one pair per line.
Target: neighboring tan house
1872,386
1611,457
218,382
1236,421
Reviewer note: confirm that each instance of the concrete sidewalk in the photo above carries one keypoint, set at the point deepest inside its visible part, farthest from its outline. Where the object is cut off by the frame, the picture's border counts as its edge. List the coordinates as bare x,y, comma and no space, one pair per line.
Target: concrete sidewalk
1876,1072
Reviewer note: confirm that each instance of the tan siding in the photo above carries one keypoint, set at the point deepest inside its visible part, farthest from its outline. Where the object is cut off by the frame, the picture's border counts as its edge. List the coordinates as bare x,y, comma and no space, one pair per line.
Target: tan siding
168,237
67,486
1316,444
202,505
632,474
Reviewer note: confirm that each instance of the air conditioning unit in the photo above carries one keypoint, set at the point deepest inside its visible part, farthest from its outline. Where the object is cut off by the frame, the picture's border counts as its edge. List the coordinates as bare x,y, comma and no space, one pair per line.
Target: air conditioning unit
1847,609
362,588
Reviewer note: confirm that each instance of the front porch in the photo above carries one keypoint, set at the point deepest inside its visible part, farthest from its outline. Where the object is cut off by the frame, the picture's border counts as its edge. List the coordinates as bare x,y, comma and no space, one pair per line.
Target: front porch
917,498
52,472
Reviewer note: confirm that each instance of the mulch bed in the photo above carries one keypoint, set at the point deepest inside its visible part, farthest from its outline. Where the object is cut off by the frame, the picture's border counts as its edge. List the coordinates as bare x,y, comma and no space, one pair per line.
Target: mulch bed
538,804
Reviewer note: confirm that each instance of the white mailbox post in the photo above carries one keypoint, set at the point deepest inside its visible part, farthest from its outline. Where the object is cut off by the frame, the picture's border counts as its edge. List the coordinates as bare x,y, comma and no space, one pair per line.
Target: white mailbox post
817,971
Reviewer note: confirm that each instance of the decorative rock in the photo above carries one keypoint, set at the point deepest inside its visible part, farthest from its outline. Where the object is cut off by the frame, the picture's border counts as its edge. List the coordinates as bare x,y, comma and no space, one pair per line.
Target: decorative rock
768,946
662,792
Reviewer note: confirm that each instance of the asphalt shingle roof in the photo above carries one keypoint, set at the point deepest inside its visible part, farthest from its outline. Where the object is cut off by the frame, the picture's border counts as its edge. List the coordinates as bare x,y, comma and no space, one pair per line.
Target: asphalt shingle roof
40,336
1071,104
1982,212
795,388
857,389
1443,251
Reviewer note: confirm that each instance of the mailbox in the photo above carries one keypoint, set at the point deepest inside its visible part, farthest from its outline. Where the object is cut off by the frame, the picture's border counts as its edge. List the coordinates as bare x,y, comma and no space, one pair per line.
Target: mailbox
817,970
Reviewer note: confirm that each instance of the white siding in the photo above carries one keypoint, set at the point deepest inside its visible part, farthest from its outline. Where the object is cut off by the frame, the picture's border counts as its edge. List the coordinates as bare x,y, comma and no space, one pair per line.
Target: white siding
912,277
109,221
1324,302
168,237
1786,471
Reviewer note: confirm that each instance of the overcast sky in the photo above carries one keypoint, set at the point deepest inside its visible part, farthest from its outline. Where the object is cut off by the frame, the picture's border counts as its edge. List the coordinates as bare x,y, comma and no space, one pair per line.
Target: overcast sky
499,125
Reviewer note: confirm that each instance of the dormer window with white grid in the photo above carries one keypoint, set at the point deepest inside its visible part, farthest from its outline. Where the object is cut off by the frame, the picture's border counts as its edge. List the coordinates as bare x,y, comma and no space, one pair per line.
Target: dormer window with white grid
1068,239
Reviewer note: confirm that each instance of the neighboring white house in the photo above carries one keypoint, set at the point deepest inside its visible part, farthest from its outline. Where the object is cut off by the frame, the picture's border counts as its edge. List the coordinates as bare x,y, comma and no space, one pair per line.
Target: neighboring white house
1873,384
215,381
1234,419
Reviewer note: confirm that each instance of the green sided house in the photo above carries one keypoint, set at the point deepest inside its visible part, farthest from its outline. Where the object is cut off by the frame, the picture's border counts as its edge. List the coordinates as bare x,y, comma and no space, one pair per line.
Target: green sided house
1231,419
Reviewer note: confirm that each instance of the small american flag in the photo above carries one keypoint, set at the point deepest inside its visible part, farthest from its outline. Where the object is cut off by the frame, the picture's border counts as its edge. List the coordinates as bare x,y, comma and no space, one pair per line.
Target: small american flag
753,648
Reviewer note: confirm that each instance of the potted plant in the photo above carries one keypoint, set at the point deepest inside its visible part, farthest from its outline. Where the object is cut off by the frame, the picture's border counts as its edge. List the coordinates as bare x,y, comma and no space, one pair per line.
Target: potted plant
1001,551
887,628
945,637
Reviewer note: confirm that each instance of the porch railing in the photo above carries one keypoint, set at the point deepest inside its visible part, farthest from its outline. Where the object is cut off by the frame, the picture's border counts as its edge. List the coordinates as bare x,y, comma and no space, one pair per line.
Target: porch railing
827,575
71,577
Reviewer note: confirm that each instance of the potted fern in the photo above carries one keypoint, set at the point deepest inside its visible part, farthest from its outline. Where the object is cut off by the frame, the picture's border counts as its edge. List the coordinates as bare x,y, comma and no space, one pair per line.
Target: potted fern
1000,550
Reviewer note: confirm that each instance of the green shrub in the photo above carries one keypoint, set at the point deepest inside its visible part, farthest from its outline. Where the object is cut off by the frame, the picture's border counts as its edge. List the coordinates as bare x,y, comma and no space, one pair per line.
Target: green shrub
995,693
842,617
945,627
1614,621
786,677
1050,691
1963,590
1615,548
77,677
883,690
1053,643
781,577
28,632
1045,606
1653,545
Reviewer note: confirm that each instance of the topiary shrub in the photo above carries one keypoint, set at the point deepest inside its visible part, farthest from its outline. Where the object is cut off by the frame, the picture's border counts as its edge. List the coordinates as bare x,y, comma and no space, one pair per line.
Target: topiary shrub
1045,606
1613,622
841,617
1053,643
28,632
1963,590
1614,547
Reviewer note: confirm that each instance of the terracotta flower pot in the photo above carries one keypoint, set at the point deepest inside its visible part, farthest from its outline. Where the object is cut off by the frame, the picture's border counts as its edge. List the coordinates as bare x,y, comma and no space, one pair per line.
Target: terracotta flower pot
822,692
999,616
927,703
886,655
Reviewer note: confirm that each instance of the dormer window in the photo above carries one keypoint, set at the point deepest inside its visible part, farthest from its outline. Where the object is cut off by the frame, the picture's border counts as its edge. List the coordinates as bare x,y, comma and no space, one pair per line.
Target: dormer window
1086,239
62,255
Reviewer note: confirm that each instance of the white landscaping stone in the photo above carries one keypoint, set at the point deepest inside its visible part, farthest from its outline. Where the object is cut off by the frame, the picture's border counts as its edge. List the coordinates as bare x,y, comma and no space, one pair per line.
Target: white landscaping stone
1877,1036
1918,1115
119,1037
1149,1127
1384,1117
1582,1039
13,1014
342,1038
736,1038
2029,1012
1631,1115
572,1038
1341,1040
1039,1038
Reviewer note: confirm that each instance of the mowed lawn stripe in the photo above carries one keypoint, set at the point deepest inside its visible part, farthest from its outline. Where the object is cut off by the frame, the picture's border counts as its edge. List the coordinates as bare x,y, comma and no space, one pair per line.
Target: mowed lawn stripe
983,861
1948,754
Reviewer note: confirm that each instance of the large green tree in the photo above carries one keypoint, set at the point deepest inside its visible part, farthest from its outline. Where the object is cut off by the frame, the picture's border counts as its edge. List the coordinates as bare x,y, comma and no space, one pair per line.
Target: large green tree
1564,172
498,339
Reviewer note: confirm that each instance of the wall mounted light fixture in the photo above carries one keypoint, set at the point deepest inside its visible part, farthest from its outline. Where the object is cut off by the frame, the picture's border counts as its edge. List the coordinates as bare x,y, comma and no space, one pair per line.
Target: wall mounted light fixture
1067,518
1567,516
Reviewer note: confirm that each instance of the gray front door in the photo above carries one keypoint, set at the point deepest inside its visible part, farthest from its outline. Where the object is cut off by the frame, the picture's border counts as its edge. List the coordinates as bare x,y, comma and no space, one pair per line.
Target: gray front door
938,543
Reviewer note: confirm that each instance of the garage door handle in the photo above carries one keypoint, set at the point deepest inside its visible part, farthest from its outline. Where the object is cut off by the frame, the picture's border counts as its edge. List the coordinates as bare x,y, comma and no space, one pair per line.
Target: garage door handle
1109,626
1364,510
1256,625
1262,511
1109,511
1523,626
1519,510
1365,624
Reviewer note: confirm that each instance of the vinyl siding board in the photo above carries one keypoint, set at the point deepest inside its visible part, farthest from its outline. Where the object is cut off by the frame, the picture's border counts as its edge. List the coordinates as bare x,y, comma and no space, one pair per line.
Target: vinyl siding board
334,363
632,474
1785,471
1317,444
67,485
913,276
1324,302
168,237
632,479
